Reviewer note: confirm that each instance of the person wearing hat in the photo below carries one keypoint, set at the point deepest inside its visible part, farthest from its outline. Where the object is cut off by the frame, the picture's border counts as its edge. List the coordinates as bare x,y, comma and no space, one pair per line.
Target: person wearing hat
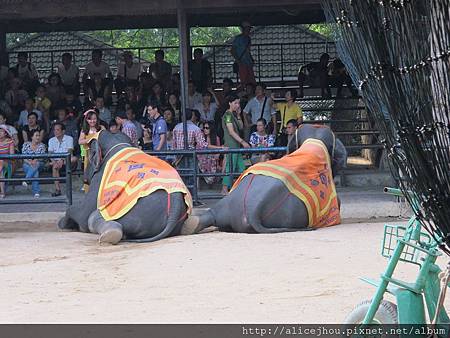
6,148
243,60
127,72
127,127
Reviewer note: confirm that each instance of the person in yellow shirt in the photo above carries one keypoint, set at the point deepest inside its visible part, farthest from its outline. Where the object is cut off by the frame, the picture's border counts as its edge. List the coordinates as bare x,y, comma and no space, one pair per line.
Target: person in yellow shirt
290,110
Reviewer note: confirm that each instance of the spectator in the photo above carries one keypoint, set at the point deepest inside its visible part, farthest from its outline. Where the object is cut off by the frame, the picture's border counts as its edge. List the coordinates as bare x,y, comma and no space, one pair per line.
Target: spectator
194,97
195,138
157,96
6,109
55,90
146,142
174,103
200,71
337,76
240,51
247,93
233,126
227,89
209,163
27,72
130,99
207,108
69,122
104,113
127,127
99,88
285,137
11,130
69,74
315,74
6,148
16,95
96,66
161,70
176,84
127,72
159,130
31,167
169,117
260,139
290,109
29,108
131,115
42,103
113,127
145,88
259,107
31,127
58,144
73,104
195,117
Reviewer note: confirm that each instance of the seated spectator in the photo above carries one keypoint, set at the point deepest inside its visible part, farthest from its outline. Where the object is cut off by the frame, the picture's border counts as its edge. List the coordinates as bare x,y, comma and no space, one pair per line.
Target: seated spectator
209,163
174,103
31,167
161,70
290,109
43,104
261,106
29,108
176,84
130,99
227,89
207,108
70,122
127,127
96,66
127,72
145,143
145,88
260,139
69,74
73,104
200,71
159,128
169,117
15,97
6,148
194,98
55,90
315,74
99,87
285,137
131,116
32,126
11,130
59,144
157,96
6,110
27,72
247,93
104,114
338,75
113,127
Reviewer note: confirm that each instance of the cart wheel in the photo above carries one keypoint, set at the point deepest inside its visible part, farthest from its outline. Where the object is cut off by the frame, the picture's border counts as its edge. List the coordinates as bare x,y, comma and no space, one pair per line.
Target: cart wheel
386,314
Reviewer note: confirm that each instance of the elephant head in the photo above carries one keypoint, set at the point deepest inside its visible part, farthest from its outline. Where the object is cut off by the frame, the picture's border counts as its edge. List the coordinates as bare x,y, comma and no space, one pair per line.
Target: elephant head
336,148
101,148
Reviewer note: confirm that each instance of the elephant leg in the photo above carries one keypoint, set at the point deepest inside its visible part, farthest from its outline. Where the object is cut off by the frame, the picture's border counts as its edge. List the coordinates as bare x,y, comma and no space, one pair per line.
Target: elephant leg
196,223
110,232
66,223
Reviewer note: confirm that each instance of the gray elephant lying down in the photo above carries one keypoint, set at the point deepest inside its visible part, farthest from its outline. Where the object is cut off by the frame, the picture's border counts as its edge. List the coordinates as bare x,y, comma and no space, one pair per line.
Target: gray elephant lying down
143,198
296,192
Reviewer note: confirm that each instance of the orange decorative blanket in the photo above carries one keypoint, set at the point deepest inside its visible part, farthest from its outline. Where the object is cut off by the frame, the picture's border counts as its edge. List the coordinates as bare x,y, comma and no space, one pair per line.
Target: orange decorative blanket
307,174
131,174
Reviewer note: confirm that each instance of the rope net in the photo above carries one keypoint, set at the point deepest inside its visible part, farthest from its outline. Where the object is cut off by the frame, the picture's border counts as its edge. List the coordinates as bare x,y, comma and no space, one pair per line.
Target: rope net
398,53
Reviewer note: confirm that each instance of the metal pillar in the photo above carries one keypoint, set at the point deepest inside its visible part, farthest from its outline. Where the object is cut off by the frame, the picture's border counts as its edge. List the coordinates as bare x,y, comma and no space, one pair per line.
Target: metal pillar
183,32
3,53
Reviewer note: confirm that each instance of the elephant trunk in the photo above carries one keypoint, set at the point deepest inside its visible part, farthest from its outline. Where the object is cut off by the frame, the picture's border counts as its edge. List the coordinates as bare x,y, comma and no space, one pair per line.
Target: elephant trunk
176,211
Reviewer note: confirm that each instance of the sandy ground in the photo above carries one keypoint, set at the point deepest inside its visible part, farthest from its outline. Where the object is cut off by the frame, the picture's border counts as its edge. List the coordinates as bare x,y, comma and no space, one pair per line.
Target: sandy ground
51,276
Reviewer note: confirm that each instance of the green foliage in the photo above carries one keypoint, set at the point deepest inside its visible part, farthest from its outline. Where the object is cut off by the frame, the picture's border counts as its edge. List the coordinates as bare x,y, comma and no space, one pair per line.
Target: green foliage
322,28
14,38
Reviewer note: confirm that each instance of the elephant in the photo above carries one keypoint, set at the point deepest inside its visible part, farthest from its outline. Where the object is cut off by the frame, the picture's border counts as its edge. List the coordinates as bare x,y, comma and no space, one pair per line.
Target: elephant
155,216
263,204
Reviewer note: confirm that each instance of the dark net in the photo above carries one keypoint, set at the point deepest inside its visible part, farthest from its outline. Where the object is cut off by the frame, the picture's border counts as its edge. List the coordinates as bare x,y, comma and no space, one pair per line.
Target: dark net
398,53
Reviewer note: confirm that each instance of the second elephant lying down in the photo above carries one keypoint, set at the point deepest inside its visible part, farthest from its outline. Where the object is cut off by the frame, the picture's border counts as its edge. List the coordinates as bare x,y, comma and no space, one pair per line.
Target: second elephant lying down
296,192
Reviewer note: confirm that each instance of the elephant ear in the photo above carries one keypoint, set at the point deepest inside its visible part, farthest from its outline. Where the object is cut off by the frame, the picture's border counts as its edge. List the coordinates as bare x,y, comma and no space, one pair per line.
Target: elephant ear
339,158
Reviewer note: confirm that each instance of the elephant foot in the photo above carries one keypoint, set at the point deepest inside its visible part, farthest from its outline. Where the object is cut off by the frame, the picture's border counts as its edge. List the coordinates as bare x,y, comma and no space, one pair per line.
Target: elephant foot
66,224
111,233
191,226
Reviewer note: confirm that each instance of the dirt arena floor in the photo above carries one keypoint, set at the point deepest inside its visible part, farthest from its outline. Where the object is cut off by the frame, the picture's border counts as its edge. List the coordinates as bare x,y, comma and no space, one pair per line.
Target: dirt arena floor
66,277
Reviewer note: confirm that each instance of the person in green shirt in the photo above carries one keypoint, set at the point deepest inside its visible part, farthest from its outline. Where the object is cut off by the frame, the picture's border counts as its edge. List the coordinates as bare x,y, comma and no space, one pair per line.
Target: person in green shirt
233,127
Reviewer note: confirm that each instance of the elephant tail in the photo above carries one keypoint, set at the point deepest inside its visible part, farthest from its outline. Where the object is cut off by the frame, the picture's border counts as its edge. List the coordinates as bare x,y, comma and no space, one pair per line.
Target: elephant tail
254,221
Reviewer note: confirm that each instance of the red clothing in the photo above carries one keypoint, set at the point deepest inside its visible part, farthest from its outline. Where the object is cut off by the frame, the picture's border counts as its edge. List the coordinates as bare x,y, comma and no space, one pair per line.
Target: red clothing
196,140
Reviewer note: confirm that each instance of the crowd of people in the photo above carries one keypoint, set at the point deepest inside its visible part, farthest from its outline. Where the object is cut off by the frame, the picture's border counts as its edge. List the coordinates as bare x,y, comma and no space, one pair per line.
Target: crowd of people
53,117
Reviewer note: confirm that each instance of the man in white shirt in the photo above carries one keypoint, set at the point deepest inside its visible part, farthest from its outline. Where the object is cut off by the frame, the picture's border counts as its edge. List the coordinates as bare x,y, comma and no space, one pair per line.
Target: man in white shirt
127,72
96,66
261,106
194,97
60,143
69,73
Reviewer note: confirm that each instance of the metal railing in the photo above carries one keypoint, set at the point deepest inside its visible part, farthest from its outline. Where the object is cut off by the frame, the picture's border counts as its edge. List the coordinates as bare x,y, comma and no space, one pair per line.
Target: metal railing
283,59
67,179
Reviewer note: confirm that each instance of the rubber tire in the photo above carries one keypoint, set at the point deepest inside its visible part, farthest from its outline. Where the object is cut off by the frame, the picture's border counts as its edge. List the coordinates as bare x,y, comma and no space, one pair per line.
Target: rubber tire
386,314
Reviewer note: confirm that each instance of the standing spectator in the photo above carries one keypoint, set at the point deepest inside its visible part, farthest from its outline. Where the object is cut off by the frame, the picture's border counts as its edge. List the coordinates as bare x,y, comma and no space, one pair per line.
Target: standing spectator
127,127
169,117
58,144
195,138
69,74
27,72
29,108
127,72
174,103
260,139
209,163
261,106
32,126
337,76
99,88
131,115
233,126
194,98
11,130
315,74
104,114
241,53
159,130
200,71
6,147
161,70
15,97
31,167
207,108
289,110
96,66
